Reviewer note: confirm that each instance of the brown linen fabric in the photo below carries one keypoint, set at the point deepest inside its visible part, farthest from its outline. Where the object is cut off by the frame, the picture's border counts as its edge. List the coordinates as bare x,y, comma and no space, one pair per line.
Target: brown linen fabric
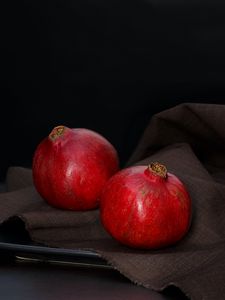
190,140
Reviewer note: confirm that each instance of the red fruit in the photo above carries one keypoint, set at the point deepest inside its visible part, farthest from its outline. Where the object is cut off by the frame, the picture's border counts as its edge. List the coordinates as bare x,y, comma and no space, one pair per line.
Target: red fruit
71,166
145,208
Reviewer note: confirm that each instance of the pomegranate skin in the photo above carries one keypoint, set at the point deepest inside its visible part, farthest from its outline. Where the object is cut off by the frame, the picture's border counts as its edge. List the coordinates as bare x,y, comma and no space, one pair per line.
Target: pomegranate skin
71,166
142,209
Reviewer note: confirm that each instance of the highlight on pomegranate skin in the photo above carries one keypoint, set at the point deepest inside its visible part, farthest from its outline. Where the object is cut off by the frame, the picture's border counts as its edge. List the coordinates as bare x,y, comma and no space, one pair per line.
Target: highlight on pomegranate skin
71,166
146,207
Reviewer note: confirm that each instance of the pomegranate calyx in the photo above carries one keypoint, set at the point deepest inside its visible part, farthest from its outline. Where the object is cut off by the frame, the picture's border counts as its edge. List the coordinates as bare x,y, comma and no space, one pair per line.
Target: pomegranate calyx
57,132
158,169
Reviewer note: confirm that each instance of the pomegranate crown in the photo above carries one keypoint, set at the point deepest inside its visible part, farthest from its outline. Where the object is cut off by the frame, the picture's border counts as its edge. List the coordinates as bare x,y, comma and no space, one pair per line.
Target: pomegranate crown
56,132
158,169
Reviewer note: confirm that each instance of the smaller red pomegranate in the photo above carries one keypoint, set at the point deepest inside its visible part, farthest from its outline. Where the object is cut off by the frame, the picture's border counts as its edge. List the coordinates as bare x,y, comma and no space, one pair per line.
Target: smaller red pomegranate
71,166
145,207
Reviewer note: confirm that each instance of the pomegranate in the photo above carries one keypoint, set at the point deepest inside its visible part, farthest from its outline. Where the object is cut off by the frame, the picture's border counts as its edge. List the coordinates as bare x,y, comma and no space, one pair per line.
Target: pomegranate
145,207
71,166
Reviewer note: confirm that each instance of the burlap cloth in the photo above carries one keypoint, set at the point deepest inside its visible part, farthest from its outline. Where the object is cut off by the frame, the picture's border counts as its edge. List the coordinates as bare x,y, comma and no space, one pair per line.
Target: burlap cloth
190,140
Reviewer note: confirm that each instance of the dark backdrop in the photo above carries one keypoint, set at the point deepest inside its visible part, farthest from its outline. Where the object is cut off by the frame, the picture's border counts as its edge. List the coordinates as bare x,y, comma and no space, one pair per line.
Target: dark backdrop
104,65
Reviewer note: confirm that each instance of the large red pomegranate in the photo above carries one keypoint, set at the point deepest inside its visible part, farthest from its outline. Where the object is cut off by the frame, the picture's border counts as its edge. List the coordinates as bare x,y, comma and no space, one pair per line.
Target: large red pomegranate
71,166
145,207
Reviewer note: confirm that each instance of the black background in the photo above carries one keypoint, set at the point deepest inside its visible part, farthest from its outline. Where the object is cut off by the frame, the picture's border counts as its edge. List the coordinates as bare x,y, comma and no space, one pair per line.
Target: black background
104,65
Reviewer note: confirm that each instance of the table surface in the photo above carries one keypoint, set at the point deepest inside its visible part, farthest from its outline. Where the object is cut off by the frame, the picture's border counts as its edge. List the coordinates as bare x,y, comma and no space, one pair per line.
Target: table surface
25,280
